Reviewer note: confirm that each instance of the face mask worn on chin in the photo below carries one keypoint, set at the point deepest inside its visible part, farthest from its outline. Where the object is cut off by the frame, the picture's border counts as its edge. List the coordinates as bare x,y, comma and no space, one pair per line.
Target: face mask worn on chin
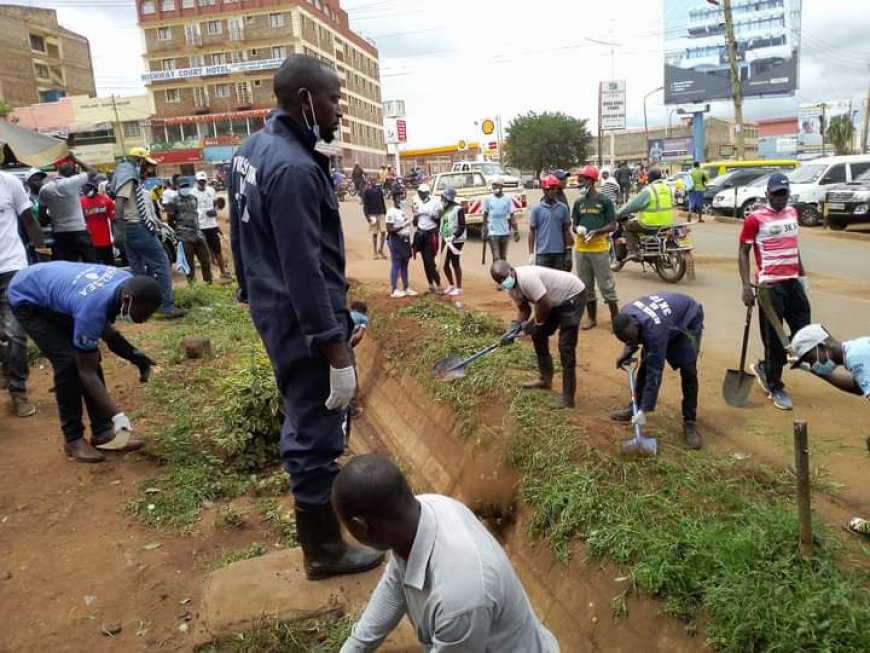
126,317
509,283
91,194
313,127
823,369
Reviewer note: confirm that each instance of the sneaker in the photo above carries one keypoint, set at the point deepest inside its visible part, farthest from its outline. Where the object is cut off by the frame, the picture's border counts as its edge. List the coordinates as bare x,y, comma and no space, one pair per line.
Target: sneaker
456,292
447,291
226,275
22,407
760,372
621,414
397,294
410,292
781,400
173,314
691,437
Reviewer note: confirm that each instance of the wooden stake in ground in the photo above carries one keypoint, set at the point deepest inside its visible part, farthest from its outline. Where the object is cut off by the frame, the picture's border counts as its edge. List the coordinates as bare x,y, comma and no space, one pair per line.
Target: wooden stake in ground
802,473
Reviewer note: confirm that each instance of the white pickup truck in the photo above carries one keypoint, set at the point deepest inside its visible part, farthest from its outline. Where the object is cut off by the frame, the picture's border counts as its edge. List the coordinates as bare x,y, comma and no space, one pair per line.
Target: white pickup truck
489,170
471,189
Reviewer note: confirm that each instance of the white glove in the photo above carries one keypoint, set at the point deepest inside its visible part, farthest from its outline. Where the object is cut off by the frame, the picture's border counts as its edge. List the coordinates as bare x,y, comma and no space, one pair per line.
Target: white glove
342,383
123,431
531,259
372,221
805,283
580,230
639,418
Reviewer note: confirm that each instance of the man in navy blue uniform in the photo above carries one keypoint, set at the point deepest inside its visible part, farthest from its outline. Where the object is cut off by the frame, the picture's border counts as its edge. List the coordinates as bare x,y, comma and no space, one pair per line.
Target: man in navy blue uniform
668,326
67,308
288,250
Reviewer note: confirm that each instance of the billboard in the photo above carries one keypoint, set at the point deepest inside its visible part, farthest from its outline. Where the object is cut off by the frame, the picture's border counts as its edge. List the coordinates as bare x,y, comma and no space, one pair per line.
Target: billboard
611,98
767,35
811,116
395,131
670,150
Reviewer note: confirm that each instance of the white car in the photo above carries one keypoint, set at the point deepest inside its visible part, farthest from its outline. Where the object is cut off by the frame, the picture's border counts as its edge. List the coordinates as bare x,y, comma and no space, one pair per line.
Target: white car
740,200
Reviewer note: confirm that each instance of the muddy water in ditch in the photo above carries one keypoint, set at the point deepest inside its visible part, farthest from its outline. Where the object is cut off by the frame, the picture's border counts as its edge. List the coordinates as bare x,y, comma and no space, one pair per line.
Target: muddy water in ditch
576,600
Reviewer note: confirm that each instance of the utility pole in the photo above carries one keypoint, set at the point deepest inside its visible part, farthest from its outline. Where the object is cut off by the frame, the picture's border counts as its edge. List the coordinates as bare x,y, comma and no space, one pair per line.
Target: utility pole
822,126
118,126
866,123
600,126
736,92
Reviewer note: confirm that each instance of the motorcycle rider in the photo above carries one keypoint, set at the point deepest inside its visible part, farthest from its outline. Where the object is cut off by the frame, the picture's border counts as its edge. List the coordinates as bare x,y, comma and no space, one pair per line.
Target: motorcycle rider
655,210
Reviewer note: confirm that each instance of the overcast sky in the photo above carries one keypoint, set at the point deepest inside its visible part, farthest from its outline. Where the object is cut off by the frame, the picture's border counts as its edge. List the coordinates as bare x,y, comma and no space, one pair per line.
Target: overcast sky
457,61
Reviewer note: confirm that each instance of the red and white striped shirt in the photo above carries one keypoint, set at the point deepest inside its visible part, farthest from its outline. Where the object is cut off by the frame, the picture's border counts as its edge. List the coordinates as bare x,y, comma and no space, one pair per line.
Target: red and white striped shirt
774,238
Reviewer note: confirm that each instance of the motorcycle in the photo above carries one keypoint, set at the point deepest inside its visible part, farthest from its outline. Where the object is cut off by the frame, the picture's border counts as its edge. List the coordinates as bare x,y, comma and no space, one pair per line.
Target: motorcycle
668,250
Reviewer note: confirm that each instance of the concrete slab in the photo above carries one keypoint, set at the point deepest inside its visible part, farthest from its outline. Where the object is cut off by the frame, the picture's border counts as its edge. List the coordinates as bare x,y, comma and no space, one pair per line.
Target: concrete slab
275,586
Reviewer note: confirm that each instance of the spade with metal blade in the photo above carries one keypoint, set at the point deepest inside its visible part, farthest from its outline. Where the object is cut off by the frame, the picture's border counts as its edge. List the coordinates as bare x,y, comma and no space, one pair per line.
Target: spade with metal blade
738,383
453,367
639,446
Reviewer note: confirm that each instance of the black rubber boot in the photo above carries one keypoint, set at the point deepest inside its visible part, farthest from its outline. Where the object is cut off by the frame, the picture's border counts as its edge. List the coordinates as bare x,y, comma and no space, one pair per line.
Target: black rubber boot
539,384
621,414
691,437
569,387
324,550
591,316
545,381
614,310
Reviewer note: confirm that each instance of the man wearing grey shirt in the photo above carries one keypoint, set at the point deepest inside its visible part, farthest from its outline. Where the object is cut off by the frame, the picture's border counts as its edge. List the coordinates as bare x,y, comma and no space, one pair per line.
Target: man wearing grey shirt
446,572
61,199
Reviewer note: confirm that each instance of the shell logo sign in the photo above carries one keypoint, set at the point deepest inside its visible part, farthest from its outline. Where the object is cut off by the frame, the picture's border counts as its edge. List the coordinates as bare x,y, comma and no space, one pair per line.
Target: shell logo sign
487,127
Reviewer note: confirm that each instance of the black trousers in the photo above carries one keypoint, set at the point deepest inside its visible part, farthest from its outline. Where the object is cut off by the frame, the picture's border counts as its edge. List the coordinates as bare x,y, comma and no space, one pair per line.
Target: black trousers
566,319
791,304
53,334
689,383
73,246
105,255
428,251
199,250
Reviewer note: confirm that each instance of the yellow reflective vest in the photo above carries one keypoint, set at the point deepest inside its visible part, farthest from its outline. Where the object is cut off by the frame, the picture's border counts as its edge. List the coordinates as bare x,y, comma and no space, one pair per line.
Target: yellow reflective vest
660,212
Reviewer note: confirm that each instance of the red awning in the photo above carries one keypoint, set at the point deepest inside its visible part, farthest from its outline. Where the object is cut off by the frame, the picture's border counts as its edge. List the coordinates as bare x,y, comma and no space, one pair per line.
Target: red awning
209,117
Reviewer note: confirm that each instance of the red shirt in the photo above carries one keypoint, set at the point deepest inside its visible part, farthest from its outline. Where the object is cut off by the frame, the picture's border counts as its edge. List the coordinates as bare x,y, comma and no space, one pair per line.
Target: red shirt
774,237
98,211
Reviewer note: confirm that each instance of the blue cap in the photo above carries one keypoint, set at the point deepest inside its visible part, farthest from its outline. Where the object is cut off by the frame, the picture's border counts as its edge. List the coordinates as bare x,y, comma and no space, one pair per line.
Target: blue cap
449,194
560,174
776,182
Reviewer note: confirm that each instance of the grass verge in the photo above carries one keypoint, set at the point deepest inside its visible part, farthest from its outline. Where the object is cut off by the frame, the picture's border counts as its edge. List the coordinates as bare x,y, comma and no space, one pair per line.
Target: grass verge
273,636
712,536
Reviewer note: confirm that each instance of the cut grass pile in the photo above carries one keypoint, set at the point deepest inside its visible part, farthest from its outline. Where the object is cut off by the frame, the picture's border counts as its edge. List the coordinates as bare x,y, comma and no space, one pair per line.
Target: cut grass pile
712,536
273,636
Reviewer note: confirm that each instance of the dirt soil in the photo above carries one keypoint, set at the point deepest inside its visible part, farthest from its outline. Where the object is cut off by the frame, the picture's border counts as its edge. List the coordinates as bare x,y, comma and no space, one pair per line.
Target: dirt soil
72,563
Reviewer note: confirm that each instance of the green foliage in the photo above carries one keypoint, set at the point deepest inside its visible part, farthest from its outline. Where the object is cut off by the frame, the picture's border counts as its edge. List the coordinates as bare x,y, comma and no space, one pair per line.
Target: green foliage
5,109
547,140
841,133
229,517
714,537
228,558
273,636
282,521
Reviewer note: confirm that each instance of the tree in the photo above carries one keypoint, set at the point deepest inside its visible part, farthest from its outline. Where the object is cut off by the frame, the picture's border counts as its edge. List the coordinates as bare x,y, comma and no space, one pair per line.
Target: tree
841,133
5,109
548,140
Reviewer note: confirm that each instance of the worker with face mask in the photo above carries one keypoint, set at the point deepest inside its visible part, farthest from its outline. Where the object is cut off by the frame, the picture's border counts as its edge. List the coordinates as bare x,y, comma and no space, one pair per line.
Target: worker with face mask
99,211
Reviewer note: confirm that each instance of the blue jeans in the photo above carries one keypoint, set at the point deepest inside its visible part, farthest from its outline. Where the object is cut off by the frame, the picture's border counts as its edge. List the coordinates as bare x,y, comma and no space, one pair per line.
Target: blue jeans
147,257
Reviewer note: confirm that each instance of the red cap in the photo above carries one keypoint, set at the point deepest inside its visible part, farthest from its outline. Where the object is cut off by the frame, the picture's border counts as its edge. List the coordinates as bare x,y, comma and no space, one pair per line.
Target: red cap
550,181
590,172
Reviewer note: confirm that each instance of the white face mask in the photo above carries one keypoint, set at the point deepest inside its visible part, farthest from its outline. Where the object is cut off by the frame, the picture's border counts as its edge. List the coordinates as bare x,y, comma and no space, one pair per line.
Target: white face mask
313,127
126,316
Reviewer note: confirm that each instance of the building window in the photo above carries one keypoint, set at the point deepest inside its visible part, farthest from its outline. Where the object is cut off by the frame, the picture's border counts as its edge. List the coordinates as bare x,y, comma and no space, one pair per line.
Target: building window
214,27
196,60
192,34
243,93
235,30
279,52
41,70
238,56
164,33
221,90
37,43
254,53
167,64
167,5
132,129
187,4
207,3
218,58
276,20
172,96
200,97
56,73
258,83
147,7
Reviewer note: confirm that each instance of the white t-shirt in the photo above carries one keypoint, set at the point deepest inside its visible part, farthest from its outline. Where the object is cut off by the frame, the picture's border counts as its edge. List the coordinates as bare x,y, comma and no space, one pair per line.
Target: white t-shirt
395,218
427,213
13,202
204,203
169,196
533,282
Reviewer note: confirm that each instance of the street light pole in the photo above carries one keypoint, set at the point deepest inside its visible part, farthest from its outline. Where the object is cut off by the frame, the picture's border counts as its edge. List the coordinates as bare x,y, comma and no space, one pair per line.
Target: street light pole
645,125
736,91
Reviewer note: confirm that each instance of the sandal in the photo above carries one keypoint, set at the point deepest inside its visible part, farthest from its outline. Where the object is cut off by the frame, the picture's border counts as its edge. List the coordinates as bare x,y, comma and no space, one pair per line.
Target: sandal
858,526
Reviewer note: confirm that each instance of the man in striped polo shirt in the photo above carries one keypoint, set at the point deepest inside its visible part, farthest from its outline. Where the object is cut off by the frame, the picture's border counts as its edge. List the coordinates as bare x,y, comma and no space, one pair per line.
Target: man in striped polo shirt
772,232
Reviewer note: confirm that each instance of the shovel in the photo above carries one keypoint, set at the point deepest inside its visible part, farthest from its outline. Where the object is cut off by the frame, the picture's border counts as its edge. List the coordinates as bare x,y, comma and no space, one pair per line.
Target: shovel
453,367
738,383
639,446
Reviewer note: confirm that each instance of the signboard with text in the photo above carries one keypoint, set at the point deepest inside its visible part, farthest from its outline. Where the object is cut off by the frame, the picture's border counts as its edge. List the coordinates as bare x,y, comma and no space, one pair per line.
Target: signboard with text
208,71
670,150
612,110
395,131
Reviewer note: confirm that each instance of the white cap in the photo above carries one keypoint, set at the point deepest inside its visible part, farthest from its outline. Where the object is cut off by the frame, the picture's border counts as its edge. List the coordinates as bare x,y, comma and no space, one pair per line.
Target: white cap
423,188
201,175
498,179
32,172
807,339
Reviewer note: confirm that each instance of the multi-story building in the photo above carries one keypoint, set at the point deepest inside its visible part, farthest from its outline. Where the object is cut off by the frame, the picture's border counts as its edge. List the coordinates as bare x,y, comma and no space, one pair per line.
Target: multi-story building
42,61
210,65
